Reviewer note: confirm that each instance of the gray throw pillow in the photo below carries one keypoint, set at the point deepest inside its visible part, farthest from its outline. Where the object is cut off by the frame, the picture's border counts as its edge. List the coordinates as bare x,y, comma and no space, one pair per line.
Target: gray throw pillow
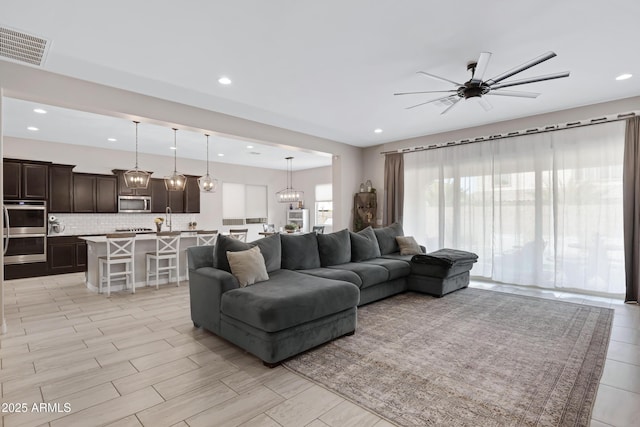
269,248
300,252
387,238
335,248
364,245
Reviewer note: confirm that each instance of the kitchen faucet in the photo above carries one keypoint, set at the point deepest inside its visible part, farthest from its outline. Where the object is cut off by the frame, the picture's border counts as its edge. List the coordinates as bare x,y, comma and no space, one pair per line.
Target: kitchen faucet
167,214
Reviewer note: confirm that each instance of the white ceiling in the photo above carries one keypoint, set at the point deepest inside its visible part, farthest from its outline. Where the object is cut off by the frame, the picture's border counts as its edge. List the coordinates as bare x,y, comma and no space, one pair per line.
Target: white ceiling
330,68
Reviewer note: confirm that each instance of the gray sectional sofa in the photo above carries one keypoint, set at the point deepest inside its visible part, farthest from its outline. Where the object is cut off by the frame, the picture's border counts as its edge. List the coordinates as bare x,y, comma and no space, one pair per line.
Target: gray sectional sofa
315,284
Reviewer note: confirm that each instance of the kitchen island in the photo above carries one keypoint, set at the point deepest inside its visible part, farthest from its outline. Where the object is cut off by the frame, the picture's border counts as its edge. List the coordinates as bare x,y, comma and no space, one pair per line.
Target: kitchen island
97,247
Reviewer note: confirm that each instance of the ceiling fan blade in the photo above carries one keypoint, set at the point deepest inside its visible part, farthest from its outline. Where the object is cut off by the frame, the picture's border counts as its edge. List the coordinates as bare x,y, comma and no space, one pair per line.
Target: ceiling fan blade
521,68
429,102
516,93
455,102
427,91
532,80
485,104
433,76
481,67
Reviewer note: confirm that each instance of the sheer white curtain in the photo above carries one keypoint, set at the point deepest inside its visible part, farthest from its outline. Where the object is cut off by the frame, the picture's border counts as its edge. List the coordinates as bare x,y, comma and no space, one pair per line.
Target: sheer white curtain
542,209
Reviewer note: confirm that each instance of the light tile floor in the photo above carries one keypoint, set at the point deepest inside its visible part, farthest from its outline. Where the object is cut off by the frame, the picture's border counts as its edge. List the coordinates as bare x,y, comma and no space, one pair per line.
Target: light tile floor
133,360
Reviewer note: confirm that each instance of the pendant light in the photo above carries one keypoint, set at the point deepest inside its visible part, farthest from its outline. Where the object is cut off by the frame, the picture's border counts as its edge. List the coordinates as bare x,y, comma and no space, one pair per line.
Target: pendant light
289,194
176,181
136,178
206,183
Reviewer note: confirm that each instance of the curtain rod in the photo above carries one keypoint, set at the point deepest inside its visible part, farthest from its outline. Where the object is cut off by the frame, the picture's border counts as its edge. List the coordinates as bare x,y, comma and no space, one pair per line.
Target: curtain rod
551,128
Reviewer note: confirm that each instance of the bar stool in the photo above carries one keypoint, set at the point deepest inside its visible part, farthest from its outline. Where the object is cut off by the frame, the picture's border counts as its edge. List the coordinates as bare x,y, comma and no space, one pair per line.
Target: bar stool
167,249
206,237
120,250
239,233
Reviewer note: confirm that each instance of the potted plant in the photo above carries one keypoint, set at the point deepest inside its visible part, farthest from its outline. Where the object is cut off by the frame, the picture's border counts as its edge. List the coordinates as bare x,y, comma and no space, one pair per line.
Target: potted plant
158,222
290,228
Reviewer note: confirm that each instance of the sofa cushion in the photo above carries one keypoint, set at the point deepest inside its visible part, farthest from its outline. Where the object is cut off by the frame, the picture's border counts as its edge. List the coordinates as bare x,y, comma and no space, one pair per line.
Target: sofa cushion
408,245
287,299
370,274
396,268
335,274
364,245
334,248
270,249
248,266
387,238
300,252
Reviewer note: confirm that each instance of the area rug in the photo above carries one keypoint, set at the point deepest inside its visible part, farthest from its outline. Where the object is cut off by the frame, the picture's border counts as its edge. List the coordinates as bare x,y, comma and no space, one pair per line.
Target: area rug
472,358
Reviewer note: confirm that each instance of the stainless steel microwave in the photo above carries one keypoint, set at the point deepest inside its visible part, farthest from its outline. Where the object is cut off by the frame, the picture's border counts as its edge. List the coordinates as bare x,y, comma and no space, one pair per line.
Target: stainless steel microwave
134,204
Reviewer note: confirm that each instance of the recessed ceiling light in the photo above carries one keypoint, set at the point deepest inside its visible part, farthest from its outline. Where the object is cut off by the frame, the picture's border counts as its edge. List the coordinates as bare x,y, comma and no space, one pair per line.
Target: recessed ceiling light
39,111
624,76
224,80
249,147
220,155
378,130
33,128
111,139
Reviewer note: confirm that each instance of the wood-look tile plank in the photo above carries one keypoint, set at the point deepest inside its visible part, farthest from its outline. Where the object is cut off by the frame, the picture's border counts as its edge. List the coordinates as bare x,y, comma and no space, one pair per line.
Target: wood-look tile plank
133,352
130,421
193,379
304,407
111,410
287,384
132,341
35,337
237,410
51,362
186,405
138,380
161,357
348,414
30,357
40,378
85,379
261,420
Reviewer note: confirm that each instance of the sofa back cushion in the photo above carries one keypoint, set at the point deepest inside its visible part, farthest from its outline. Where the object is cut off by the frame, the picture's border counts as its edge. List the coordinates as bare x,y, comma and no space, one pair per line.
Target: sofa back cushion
270,248
364,245
387,238
334,248
300,252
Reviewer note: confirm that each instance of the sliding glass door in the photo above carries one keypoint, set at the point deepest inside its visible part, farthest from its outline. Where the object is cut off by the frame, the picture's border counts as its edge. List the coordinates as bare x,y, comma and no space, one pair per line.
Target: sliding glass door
542,209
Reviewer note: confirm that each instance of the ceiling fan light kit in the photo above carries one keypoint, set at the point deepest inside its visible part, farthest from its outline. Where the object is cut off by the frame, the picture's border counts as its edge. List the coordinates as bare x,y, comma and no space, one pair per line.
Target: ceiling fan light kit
476,87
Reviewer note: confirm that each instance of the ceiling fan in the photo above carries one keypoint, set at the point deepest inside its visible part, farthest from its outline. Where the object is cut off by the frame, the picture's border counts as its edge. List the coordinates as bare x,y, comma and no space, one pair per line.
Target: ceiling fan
476,87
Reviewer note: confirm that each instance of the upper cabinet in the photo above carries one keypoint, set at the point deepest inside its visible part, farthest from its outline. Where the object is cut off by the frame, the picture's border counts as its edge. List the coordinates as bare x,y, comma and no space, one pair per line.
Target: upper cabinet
123,190
192,195
25,180
60,188
95,193
187,201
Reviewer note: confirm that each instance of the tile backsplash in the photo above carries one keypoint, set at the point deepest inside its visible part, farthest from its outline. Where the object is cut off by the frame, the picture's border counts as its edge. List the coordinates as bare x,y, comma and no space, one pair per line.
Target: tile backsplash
86,224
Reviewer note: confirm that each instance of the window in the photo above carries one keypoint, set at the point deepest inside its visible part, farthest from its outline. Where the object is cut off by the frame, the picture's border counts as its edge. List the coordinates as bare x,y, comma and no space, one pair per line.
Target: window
243,204
324,206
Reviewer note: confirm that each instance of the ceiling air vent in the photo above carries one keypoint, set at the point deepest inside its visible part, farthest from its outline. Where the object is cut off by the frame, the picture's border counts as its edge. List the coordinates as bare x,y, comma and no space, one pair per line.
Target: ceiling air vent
22,47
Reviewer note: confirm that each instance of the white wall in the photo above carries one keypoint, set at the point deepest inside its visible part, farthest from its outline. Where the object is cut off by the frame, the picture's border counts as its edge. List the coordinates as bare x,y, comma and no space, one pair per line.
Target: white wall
374,161
306,181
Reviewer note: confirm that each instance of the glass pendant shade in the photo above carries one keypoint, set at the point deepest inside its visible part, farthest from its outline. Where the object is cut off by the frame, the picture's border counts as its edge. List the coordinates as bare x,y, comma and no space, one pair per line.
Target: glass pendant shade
289,194
176,181
206,183
136,178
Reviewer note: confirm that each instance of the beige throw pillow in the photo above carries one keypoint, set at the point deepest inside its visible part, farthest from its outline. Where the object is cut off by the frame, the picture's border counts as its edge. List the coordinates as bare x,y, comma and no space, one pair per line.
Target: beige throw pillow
248,266
408,245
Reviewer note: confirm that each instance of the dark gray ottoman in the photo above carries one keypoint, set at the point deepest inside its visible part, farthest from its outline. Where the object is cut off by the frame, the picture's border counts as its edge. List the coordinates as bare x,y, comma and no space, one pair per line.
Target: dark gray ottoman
441,272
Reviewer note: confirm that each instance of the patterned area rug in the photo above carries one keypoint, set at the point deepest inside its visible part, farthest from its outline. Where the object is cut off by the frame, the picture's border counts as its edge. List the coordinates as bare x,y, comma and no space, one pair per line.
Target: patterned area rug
472,358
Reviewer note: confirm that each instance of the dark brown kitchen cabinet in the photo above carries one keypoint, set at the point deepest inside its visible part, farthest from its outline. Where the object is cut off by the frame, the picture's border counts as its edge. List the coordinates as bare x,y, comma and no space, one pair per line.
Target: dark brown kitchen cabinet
158,195
25,180
60,188
66,254
176,201
192,195
123,190
95,193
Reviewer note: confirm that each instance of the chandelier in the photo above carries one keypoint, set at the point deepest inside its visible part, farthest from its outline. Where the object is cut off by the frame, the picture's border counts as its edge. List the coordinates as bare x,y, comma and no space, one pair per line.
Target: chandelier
289,194
136,178
206,183
176,181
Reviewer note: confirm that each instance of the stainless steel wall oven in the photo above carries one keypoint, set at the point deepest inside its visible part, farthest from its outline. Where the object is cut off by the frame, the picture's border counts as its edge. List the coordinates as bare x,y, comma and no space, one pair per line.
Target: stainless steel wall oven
25,231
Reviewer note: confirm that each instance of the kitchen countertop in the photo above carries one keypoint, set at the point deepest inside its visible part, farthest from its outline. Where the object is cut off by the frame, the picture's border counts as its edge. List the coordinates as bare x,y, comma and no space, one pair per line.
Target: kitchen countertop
183,232
99,238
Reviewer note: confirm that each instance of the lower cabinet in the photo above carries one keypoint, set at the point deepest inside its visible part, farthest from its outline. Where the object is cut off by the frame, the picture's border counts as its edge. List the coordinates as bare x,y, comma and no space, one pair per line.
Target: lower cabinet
66,254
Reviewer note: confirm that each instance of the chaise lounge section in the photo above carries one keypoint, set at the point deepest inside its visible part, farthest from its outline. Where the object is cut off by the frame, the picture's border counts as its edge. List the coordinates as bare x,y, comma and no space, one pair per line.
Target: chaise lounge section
307,287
